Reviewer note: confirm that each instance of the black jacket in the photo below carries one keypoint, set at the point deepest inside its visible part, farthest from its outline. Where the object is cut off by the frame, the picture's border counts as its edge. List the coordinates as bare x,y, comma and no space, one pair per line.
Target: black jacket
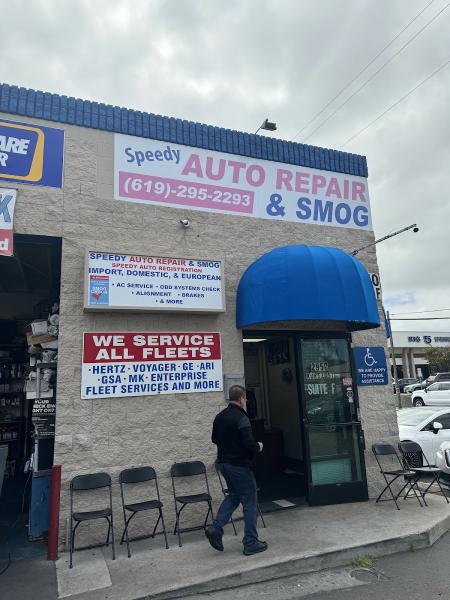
232,433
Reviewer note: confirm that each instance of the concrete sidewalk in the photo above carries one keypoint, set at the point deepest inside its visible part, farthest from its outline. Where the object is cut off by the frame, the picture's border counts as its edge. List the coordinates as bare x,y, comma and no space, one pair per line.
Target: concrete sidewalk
300,540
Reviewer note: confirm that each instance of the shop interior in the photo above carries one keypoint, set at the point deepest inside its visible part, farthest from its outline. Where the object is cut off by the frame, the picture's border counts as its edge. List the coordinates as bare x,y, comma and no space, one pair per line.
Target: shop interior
273,405
29,326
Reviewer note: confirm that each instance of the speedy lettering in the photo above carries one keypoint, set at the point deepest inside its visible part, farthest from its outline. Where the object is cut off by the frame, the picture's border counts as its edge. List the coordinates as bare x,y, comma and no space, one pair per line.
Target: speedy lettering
139,157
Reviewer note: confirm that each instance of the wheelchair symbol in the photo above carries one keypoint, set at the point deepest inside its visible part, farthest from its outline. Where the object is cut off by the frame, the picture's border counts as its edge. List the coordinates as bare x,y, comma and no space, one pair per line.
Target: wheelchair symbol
369,359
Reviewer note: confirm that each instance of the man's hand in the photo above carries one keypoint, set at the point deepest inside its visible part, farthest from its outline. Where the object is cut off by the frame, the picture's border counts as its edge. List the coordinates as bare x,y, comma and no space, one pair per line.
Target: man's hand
260,444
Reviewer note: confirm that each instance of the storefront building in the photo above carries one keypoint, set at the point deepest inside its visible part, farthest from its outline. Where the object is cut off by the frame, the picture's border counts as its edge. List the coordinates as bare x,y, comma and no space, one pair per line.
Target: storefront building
410,351
185,258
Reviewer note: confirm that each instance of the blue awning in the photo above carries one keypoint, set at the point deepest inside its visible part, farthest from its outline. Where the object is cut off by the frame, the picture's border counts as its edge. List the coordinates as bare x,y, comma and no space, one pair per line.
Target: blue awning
307,283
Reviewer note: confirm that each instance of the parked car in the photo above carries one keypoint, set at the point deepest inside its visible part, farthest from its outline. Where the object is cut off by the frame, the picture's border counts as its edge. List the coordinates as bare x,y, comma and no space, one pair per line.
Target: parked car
428,426
443,462
438,377
404,382
436,394
420,385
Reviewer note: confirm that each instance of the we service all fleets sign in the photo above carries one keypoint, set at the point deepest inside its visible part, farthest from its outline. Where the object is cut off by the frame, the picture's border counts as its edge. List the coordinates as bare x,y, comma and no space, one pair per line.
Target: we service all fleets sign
155,172
31,154
117,364
116,281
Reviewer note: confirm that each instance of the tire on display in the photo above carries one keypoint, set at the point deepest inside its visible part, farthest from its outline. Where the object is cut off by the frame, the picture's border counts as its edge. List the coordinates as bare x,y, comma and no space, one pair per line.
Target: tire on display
418,402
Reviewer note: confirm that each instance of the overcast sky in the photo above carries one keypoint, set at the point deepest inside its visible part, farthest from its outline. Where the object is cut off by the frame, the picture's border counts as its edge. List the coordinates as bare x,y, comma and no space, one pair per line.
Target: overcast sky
234,62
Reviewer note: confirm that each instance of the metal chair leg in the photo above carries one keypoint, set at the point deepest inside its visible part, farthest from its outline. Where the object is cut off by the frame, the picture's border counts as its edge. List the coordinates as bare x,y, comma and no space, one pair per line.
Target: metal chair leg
233,525
177,526
155,527
125,533
261,515
72,542
164,528
112,539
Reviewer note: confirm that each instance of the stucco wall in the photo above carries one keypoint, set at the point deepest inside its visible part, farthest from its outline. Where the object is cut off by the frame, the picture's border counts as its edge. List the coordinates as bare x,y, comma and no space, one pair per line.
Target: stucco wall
111,434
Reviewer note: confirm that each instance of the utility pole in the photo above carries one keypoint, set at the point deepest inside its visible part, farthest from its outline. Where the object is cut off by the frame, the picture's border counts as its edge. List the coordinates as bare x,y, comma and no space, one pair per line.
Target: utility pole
391,339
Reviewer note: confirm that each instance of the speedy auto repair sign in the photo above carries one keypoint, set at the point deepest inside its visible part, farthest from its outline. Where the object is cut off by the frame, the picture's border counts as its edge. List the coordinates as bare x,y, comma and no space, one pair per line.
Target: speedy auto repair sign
117,364
31,154
154,172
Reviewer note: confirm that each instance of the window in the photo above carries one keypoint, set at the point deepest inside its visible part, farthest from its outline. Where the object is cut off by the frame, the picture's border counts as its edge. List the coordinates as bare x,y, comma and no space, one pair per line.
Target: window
444,420
433,387
444,386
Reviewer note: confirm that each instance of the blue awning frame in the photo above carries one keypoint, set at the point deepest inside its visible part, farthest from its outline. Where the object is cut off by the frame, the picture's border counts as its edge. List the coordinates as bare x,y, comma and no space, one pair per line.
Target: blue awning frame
307,283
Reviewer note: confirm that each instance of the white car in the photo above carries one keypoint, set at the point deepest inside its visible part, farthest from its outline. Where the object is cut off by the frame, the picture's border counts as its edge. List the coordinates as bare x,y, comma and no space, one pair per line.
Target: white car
427,426
436,394
443,462
412,387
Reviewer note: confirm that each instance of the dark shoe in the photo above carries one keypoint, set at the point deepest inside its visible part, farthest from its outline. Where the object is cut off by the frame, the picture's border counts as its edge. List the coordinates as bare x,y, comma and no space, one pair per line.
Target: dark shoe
255,548
214,538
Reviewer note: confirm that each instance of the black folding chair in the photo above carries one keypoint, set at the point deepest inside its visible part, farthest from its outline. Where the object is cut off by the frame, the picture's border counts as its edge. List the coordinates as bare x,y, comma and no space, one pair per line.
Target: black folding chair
84,483
413,458
189,469
135,476
394,471
225,493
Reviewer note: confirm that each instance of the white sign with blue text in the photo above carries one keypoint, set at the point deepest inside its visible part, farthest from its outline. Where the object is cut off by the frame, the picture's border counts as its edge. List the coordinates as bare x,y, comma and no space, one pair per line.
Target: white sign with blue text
371,368
165,174
116,281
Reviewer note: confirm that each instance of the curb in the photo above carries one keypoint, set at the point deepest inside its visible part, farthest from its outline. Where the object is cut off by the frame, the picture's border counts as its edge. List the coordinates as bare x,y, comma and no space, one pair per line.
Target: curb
308,564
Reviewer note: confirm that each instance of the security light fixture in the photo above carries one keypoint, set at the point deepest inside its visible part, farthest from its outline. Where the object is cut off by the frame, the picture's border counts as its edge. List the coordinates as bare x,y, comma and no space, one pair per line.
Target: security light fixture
386,237
267,125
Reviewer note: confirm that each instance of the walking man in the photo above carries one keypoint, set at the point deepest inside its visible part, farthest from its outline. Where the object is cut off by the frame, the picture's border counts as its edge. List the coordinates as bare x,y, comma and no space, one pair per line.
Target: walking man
236,447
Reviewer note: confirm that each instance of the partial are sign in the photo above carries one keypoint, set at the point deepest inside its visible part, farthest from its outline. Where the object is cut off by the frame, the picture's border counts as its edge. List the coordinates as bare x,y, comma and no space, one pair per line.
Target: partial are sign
371,368
7,205
118,364
116,281
155,172
31,154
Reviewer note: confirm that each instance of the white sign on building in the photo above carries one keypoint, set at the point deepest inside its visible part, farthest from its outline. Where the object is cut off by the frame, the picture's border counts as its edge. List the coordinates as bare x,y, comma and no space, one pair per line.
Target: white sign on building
155,172
120,364
421,339
116,281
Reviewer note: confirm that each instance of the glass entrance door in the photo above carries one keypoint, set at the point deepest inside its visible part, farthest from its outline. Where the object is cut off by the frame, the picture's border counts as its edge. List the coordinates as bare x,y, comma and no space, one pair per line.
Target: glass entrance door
332,429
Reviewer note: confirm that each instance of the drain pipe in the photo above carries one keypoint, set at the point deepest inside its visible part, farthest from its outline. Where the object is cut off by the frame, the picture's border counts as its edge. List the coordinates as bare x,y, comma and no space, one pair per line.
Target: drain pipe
53,518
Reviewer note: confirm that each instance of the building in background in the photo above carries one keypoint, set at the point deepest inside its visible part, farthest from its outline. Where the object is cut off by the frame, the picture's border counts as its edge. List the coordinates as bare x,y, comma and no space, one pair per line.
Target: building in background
410,348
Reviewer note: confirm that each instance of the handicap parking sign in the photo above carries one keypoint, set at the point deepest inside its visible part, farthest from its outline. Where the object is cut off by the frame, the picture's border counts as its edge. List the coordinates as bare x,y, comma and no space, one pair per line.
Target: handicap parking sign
371,368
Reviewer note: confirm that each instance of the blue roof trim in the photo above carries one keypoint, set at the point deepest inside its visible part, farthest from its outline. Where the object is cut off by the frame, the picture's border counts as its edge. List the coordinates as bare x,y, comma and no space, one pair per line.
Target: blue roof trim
306,283
96,115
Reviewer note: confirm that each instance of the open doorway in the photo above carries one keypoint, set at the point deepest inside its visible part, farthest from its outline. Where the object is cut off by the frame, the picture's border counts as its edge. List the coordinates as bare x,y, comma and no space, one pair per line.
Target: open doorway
274,408
29,325
303,404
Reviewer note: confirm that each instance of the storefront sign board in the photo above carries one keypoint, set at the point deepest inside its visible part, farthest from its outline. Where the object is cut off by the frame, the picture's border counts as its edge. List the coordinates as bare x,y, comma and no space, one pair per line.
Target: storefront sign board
155,172
371,368
31,154
7,205
120,364
43,416
116,281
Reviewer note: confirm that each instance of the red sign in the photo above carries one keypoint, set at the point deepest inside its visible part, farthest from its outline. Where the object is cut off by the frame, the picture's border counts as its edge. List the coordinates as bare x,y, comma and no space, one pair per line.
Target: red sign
142,347
119,364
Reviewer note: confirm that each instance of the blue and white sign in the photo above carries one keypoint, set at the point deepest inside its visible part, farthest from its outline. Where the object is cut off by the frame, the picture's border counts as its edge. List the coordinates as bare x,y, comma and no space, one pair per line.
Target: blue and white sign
117,281
371,368
31,154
